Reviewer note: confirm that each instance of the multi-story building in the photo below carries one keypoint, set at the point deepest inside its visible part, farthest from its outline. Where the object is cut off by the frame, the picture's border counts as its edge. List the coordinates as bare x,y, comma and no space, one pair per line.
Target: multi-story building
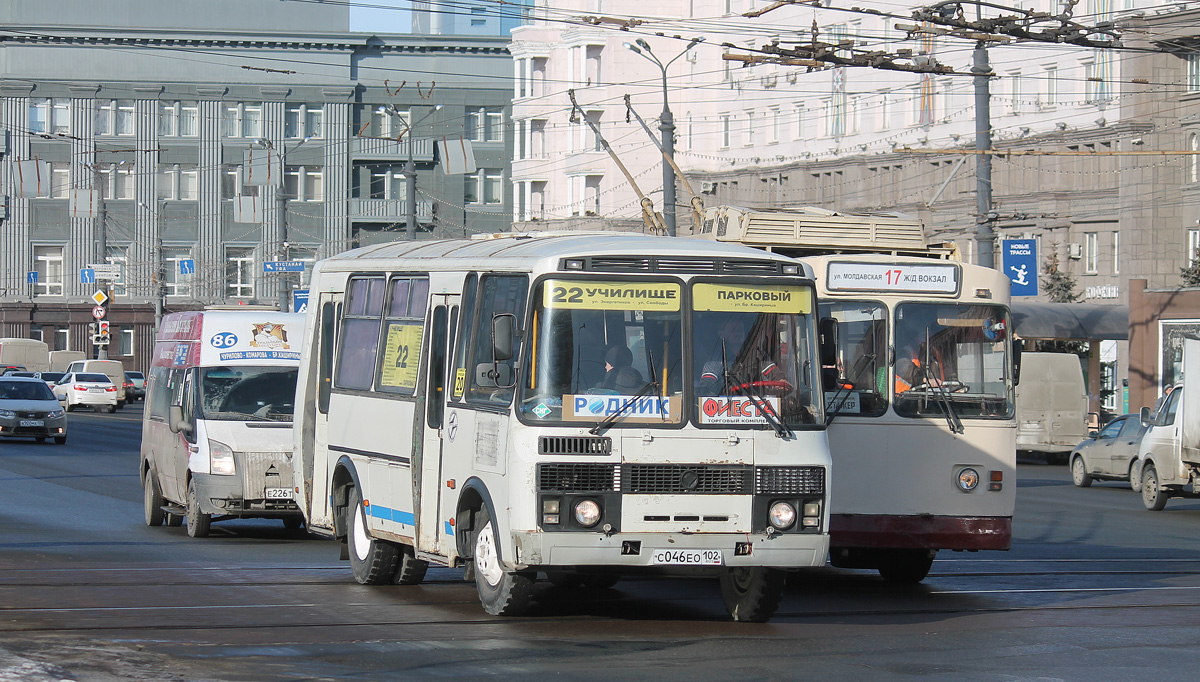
158,114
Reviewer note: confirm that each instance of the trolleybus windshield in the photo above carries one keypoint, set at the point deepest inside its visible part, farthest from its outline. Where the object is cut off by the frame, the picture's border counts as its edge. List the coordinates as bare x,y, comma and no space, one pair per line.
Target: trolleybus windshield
862,359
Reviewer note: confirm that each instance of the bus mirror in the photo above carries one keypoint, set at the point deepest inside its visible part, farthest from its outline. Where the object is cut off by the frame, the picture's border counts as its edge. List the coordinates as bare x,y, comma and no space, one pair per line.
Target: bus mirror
503,333
829,379
176,422
828,329
1145,417
493,375
1017,348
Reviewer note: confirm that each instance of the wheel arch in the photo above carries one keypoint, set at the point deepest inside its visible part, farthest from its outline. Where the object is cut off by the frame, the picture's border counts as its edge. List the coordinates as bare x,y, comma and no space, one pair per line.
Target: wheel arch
345,476
474,497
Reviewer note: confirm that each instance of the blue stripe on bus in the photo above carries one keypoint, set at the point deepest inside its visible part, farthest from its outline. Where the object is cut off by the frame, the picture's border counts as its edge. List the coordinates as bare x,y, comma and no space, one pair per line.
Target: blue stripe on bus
449,529
388,514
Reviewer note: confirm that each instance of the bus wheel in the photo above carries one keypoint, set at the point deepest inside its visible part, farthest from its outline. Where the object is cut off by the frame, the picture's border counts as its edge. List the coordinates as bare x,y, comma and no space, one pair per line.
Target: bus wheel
411,570
1135,476
906,566
293,522
1154,496
198,522
153,501
373,561
600,581
752,594
502,593
1079,474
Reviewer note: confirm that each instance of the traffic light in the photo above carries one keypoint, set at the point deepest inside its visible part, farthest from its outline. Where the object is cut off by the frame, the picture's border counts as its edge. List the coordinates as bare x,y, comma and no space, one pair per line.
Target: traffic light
100,337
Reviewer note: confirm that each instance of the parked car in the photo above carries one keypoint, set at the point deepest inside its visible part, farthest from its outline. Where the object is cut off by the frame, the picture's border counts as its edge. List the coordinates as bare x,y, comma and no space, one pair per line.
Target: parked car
135,386
91,389
50,378
1110,453
28,409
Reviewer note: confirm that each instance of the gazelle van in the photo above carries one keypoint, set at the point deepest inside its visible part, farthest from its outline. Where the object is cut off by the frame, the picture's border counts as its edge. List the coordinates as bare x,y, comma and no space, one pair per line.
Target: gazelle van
217,427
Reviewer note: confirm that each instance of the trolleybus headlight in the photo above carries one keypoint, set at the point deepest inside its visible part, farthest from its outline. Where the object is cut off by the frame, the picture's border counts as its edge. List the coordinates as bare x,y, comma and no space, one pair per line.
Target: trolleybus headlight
782,515
968,478
587,513
220,458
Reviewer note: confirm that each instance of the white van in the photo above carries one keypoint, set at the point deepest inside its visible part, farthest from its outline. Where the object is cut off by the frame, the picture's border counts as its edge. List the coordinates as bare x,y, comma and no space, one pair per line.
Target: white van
1170,450
1052,407
113,369
61,359
217,426
31,354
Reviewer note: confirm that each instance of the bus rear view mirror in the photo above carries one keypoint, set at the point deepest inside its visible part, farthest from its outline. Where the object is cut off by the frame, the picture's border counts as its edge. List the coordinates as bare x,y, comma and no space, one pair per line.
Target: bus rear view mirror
493,375
1145,417
503,333
828,328
176,422
1017,347
829,379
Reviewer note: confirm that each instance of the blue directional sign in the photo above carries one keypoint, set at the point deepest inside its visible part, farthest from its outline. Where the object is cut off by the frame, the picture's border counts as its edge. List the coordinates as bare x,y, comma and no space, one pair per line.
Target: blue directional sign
299,300
283,266
87,276
187,266
31,277
1019,262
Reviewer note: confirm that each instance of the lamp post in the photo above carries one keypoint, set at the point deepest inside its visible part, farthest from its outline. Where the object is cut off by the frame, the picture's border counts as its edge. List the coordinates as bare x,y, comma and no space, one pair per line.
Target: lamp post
666,125
281,199
410,169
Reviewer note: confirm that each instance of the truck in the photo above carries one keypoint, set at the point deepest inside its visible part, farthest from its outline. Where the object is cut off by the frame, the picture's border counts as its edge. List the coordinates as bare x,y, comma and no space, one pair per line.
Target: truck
217,426
1170,449
1052,408
29,354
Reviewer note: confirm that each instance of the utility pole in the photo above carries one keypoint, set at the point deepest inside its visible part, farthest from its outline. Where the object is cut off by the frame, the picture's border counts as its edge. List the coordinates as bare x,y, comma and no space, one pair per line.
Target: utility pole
283,278
102,245
410,194
985,236
160,286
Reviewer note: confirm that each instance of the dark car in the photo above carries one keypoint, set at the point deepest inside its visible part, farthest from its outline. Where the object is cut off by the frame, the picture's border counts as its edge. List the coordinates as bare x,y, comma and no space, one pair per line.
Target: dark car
28,409
1110,453
135,385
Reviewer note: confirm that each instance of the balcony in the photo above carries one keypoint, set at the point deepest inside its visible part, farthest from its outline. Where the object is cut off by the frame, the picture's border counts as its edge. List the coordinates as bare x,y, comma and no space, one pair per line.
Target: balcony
383,149
387,210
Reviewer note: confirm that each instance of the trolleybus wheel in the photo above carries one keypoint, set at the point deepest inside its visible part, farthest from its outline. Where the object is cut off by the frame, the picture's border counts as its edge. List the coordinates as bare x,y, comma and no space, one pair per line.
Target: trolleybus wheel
1154,496
751,594
197,521
1079,474
152,500
410,570
373,561
906,566
502,593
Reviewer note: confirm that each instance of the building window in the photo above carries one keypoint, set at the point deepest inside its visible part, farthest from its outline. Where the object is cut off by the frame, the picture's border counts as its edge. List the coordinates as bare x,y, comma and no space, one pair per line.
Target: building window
485,186
124,117
48,263
485,124
60,179
1014,103
1193,73
125,342
180,182
776,123
748,140
1193,162
1098,75
724,131
232,179
241,120
303,120
306,183
176,284
885,112
1091,247
50,116
61,338
117,180
799,121
114,117
1193,246
1050,88
178,119
1116,251
239,271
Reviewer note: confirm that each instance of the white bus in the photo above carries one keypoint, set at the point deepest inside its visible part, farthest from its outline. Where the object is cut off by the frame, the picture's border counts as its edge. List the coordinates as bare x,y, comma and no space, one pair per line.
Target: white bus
581,404
922,432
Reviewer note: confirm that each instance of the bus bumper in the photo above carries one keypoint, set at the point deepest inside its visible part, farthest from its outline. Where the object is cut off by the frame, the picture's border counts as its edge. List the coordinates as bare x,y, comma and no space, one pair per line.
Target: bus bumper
637,550
222,496
920,532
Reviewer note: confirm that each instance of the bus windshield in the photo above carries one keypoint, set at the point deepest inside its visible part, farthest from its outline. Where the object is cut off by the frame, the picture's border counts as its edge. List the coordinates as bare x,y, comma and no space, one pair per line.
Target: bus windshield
247,393
952,358
753,352
605,347
862,358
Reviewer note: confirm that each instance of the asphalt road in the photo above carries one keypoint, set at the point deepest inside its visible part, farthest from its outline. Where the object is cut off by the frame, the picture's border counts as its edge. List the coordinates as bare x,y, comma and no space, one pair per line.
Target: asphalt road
1095,588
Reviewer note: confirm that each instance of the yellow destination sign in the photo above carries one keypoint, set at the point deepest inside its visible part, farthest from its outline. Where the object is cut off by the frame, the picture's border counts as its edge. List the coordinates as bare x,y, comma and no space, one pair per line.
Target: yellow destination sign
557,293
401,355
752,298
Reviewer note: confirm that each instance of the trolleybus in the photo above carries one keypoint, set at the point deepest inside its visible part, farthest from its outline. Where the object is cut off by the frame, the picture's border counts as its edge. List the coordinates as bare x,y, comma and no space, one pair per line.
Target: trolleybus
586,405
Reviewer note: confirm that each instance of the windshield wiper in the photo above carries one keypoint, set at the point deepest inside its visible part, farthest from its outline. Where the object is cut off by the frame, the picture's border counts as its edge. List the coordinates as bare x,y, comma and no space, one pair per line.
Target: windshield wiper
940,391
838,401
764,408
608,421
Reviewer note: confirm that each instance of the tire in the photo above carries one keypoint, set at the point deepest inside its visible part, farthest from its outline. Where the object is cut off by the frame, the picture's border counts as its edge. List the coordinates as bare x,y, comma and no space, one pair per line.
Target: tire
372,561
70,407
751,595
60,440
198,523
293,522
906,566
501,592
1079,475
152,500
172,520
109,409
120,405
564,580
601,581
1153,495
410,570
1135,477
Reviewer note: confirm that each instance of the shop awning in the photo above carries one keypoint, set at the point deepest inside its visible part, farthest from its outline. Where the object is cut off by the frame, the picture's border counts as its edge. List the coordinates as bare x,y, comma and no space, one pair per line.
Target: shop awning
1071,321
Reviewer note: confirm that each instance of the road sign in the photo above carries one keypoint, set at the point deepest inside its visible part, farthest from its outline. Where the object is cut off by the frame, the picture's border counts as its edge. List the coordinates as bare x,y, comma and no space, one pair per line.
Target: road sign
283,266
99,297
187,266
1020,264
31,277
87,276
299,300
99,312
105,271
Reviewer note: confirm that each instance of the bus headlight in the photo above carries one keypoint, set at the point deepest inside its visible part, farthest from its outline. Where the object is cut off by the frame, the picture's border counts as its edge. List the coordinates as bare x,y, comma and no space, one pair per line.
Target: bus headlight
968,478
782,515
587,513
220,458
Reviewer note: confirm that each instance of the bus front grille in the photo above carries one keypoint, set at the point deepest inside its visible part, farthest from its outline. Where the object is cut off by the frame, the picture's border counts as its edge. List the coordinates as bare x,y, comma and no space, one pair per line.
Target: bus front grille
574,445
790,481
682,479
578,478
262,470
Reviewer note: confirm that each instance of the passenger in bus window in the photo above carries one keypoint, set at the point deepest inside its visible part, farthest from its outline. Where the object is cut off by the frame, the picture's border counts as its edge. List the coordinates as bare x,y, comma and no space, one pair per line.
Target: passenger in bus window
916,368
619,358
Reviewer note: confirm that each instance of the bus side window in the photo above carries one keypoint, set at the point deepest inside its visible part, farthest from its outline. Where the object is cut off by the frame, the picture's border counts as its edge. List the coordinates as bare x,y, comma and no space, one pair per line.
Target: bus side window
458,383
499,294
159,393
325,357
435,401
359,339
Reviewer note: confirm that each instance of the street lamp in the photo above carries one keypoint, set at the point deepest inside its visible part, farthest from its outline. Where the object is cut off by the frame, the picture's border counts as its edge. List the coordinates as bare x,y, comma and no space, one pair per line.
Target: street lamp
410,169
666,125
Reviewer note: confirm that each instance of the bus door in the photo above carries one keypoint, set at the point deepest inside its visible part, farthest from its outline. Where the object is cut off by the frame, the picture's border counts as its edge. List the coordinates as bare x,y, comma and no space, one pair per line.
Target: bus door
316,488
427,485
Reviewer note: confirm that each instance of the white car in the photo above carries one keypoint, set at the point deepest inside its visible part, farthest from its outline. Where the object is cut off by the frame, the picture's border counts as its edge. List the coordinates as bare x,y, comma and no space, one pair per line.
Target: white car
86,388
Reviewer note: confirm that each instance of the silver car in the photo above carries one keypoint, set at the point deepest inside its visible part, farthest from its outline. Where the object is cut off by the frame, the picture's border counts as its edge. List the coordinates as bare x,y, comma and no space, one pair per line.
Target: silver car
28,409
1110,453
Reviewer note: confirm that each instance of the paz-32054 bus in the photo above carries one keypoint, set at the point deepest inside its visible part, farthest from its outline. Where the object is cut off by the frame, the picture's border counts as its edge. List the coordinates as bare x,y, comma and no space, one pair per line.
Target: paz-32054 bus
584,405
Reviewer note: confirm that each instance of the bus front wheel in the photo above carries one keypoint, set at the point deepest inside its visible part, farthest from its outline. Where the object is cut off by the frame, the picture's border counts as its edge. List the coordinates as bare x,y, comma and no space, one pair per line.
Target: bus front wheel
502,593
152,500
906,566
1154,496
373,561
198,522
752,594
